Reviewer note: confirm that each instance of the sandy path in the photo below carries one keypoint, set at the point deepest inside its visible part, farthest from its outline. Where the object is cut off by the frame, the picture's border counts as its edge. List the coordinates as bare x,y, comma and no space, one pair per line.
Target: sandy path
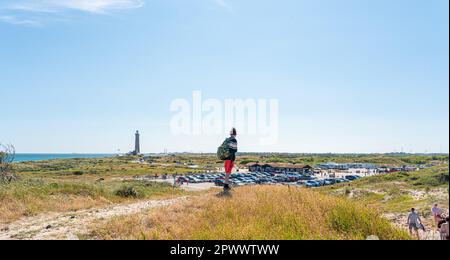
430,232
67,226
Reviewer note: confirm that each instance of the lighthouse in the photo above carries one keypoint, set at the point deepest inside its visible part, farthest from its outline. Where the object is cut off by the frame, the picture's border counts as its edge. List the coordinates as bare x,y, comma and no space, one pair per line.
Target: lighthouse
137,144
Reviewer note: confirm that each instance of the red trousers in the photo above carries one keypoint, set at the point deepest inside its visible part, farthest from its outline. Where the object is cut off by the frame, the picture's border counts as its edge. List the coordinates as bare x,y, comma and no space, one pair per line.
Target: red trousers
229,164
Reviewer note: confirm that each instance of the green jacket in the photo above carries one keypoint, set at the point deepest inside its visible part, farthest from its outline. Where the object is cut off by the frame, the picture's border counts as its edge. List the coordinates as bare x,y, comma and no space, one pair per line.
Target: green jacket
232,147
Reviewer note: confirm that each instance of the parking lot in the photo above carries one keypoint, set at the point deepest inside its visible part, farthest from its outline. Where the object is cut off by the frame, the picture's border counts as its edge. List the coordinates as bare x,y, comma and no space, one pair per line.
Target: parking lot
255,178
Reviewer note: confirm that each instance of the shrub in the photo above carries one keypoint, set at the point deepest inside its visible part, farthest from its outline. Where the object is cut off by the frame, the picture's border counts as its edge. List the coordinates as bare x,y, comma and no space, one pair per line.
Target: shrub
7,155
127,192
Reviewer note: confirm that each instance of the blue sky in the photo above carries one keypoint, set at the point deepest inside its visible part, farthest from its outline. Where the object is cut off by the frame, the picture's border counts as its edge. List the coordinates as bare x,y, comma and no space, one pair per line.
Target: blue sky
350,75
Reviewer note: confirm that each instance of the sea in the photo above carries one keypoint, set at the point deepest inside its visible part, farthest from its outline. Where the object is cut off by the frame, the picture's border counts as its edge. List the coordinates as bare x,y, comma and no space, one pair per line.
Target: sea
22,157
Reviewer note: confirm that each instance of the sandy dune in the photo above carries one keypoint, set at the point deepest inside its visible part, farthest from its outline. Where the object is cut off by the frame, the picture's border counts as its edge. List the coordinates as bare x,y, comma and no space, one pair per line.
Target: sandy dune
67,226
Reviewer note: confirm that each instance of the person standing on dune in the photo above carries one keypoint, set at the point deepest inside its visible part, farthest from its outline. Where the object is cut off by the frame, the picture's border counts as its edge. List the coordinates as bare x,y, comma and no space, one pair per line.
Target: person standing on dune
227,152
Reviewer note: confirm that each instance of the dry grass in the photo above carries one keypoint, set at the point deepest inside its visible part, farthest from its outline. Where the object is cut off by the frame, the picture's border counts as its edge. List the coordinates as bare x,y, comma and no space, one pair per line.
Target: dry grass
12,209
30,197
256,212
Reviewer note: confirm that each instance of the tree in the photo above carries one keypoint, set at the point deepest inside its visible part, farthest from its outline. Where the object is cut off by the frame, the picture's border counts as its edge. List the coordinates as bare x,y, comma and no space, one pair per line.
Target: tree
7,155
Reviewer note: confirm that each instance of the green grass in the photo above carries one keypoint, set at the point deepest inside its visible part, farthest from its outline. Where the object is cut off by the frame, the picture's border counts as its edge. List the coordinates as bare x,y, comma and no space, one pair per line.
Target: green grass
97,167
428,178
178,164
393,193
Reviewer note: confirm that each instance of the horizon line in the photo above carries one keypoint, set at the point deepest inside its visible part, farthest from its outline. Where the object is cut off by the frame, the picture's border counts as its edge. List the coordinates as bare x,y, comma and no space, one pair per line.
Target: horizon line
300,153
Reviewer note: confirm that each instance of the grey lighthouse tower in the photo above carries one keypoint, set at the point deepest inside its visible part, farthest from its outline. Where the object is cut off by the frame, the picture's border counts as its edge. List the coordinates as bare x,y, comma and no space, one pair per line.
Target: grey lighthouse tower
137,144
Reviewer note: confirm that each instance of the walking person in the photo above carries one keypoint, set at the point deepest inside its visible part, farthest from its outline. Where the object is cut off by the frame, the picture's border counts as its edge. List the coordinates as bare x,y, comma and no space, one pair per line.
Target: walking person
437,214
443,229
227,152
414,222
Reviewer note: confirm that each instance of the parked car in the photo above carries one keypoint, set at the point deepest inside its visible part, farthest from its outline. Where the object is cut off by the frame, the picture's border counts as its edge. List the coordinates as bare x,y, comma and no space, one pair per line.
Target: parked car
237,182
182,179
352,177
311,184
262,180
330,181
294,177
321,182
281,179
306,178
340,180
219,182
300,183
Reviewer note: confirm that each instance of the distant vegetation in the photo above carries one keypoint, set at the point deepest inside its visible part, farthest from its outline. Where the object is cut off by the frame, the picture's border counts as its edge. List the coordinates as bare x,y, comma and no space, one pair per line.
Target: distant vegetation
117,166
313,159
258,212
7,154
427,178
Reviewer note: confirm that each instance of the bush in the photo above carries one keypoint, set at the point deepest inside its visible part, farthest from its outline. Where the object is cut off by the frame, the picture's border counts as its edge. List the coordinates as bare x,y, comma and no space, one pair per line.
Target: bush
7,155
127,192
348,191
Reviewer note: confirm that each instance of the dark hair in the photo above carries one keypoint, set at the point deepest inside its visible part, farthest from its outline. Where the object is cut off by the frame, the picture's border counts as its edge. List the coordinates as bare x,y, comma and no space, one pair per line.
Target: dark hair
413,209
233,131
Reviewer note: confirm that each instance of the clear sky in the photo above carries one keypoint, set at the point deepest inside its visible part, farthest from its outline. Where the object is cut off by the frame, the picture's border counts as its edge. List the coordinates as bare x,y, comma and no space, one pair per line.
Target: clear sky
350,75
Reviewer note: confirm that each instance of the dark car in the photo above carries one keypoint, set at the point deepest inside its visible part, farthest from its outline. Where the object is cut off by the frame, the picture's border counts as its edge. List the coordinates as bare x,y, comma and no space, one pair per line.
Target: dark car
281,179
341,180
262,180
219,182
321,182
330,181
310,184
306,178
294,177
352,177
182,179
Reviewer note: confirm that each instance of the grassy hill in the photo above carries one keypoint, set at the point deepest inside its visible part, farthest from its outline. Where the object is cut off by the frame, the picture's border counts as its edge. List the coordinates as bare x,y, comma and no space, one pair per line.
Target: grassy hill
64,185
255,212
343,211
437,176
398,192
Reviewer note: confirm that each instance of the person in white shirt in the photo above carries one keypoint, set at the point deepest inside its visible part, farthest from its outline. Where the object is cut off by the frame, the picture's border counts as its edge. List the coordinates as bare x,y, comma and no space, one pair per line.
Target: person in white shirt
414,222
